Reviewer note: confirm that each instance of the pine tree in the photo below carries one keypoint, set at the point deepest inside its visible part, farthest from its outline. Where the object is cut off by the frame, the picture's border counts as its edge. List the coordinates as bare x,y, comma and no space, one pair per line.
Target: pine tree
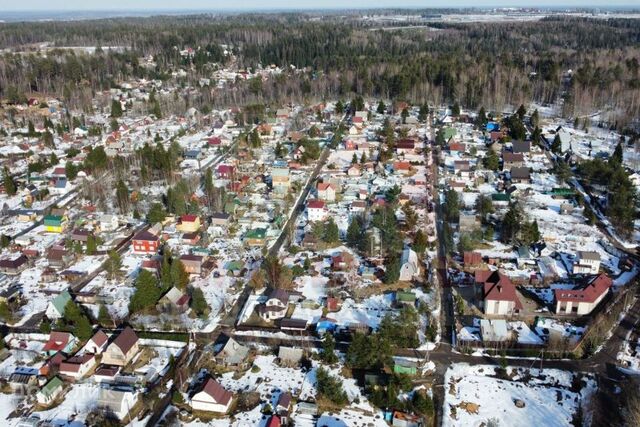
92,245
112,264
381,108
9,185
354,232
122,196
116,109
331,232
328,354
556,145
179,276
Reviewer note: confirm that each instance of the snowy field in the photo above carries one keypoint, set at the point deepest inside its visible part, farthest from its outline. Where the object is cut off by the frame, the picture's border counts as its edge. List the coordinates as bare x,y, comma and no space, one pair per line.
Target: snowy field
475,397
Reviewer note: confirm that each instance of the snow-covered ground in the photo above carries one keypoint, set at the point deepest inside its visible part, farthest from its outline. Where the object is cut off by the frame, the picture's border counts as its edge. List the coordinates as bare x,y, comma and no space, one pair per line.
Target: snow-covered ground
475,397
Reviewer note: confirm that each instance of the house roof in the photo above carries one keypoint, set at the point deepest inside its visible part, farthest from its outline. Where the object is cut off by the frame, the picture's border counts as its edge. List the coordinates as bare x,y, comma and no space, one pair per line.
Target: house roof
145,235
126,340
315,204
61,301
57,341
498,287
588,293
284,400
99,338
13,262
281,295
520,173
472,258
54,384
73,363
521,146
590,255
508,156
218,393
274,421
323,186
188,218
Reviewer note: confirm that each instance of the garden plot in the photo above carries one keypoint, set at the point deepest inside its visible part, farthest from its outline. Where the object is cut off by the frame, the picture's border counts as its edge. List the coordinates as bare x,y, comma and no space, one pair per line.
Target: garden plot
369,312
474,396
266,376
551,327
352,418
629,356
77,403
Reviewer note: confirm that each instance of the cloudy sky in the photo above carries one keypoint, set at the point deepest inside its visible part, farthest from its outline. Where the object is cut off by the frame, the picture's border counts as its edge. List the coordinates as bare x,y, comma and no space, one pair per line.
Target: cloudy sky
48,5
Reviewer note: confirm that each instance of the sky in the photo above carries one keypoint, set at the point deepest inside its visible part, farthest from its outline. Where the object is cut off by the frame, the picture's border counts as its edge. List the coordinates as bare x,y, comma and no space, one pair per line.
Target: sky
67,5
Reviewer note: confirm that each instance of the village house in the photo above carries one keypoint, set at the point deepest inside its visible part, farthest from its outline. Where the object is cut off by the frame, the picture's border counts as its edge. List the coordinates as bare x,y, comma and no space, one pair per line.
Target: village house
192,263
255,237
316,210
97,344
521,146
409,267
14,265
512,160
290,356
520,175
211,397
118,401
174,301
55,223
188,224
584,299
220,219
145,243
498,293
47,394
225,171
462,168
77,366
122,349
275,307
108,222
588,262
59,342
56,307
402,168
280,181
230,353
326,191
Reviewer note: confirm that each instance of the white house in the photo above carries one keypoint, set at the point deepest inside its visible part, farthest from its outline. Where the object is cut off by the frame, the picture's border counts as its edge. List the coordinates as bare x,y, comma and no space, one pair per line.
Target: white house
78,366
97,344
588,263
275,307
50,391
118,401
409,264
212,397
584,299
316,210
108,222
326,191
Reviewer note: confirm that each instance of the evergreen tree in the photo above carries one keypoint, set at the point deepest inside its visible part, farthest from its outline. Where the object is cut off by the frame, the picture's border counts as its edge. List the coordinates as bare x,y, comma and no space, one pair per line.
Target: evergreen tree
511,224
535,118
451,206
9,185
122,196
404,114
179,276
381,107
491,161
92,245
556,145
521,112
354,232
112,264
116,109
419,242
392,269
147,292
198,302
354,159
104,318
616,157
423,113
331,232
328,354
156,214
481,120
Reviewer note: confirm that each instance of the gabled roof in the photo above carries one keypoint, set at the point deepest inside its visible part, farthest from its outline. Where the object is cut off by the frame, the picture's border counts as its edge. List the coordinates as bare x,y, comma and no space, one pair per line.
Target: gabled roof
498,287
218,393
315,204
188,218
99,338
126,340
520,173
145,235
281,295
589,293
57,341
61,301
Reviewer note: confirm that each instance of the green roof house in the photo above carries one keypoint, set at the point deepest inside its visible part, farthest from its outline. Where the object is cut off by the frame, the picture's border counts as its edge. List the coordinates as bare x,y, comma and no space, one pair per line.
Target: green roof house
405,298
55,309
448,133
406,367
50,391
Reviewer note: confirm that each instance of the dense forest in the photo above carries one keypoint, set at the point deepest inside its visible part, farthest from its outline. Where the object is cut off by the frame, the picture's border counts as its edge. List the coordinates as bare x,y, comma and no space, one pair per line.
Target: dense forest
590,64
